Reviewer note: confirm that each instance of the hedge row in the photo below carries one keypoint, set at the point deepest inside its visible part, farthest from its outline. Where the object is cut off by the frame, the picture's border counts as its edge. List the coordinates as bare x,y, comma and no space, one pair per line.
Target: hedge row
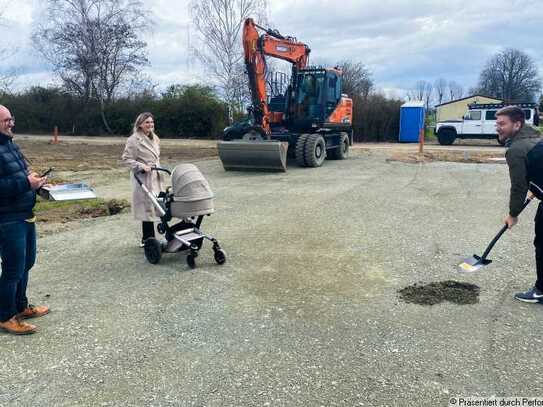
187,111
182,111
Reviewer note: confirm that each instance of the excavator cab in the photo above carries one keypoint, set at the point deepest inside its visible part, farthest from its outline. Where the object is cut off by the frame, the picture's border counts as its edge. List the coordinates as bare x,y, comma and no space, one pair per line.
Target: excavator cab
314,96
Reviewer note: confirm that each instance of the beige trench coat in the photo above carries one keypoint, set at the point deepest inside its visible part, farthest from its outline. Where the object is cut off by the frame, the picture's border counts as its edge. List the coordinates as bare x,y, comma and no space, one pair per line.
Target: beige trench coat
140,151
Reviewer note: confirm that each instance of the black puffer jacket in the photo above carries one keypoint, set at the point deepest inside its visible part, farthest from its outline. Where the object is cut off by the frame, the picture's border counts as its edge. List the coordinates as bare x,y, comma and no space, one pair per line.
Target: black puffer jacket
16,197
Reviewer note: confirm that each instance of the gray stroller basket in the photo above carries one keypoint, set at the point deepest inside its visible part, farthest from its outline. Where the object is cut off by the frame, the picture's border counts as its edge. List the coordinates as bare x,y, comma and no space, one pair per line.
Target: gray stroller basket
189,199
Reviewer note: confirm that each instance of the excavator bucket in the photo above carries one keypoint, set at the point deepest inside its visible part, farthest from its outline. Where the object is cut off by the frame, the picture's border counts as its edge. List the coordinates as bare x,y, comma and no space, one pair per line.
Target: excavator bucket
253,155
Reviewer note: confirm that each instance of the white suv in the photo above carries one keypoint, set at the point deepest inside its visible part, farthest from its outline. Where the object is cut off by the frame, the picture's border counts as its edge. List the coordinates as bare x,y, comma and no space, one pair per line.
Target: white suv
480,123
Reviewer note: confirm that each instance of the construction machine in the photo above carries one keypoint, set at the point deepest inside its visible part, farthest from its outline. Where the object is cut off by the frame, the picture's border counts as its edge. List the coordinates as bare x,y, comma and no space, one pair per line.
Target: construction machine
311,121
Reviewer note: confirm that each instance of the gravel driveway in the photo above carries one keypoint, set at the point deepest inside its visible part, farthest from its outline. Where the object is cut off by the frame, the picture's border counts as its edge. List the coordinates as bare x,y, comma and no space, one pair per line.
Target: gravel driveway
304,313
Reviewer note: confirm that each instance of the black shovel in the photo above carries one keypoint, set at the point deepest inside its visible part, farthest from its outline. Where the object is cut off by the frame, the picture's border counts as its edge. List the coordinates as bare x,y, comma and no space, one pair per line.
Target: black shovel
475,262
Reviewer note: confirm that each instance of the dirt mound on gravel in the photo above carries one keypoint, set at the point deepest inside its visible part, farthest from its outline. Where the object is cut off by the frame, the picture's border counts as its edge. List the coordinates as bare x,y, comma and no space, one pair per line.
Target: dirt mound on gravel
67,211
437,292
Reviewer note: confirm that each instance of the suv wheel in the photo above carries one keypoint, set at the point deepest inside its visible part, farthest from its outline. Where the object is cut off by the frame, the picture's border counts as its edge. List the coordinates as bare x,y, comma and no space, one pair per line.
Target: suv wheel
446,137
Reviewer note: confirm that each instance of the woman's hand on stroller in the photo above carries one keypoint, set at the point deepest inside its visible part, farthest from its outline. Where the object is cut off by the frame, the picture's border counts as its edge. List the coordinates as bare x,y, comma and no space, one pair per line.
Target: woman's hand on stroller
146,168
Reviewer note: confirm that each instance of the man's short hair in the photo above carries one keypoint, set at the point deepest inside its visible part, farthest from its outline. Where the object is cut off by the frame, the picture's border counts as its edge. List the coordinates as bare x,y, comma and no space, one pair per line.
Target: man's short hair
515,114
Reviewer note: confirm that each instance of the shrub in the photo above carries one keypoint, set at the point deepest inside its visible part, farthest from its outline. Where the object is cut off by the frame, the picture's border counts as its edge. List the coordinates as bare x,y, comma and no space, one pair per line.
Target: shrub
183,111
376,118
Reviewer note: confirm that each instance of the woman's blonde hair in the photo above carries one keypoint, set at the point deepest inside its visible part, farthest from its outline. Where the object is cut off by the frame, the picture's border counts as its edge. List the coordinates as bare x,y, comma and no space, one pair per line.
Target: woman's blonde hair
140,119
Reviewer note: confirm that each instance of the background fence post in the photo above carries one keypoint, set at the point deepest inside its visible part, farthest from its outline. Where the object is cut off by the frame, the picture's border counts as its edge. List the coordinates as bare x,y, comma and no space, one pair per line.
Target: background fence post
55,135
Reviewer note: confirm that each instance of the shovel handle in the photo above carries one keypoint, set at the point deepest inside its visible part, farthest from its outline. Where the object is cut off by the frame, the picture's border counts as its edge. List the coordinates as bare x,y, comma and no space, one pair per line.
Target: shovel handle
501,232
494,241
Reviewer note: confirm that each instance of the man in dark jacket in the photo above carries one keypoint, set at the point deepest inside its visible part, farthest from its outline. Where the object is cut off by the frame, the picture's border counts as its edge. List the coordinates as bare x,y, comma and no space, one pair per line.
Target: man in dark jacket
18,188
521,138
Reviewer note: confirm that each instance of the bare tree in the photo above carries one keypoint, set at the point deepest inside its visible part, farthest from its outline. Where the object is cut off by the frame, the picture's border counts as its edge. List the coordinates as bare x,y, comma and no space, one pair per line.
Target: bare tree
428,95
510,75
219,24
422,91
440,85
417,92
456,91
93,45
140,86
357,80
7,73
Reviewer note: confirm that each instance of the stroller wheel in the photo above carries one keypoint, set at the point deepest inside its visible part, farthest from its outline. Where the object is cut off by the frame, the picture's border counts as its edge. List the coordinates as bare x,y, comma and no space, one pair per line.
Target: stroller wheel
191,261
152,250
220,256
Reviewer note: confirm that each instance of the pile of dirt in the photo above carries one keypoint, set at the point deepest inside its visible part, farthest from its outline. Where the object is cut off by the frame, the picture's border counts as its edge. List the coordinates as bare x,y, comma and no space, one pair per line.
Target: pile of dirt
63,212
437,292
115,206
473,157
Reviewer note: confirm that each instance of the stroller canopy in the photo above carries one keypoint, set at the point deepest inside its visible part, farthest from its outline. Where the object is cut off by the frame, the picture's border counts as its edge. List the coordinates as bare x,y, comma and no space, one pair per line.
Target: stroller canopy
192,195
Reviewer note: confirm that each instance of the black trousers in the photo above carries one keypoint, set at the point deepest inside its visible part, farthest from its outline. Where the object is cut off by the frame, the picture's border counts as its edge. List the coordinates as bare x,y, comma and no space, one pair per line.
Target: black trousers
538,243
148,230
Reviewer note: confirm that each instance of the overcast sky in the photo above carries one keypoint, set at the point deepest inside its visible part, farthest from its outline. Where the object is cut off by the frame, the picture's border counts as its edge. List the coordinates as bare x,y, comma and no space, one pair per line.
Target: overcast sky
401,41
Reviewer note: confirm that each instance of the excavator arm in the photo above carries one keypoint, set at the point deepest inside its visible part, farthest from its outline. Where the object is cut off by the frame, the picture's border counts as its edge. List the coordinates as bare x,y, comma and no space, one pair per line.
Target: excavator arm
256,48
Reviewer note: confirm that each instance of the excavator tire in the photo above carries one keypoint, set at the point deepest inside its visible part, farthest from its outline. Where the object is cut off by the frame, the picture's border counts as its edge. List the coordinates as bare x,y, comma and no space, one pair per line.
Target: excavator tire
300,149
342,151
314,150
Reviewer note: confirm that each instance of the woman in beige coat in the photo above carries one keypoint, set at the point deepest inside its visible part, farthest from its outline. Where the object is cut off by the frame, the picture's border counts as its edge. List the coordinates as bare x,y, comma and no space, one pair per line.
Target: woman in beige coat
141,153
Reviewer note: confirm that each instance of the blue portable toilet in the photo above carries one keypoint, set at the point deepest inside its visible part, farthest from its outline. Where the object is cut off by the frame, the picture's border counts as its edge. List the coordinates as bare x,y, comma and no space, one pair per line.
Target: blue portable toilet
411,121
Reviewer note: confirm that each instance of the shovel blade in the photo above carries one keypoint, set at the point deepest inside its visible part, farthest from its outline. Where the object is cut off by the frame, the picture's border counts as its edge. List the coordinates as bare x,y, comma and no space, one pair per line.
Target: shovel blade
473,264
253,155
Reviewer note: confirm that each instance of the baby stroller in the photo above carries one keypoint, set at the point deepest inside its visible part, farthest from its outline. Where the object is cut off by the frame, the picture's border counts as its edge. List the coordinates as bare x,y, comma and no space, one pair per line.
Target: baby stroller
190,199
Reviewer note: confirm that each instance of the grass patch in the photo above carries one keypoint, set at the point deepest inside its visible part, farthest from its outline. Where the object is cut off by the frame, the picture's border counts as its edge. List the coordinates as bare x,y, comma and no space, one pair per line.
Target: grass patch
66,211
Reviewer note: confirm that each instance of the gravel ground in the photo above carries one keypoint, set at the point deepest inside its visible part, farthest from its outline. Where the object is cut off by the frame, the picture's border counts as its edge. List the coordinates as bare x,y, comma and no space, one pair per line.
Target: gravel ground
304,313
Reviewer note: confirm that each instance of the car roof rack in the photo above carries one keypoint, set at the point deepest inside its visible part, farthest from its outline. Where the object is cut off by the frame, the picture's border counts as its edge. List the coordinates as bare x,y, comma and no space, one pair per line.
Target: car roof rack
473,106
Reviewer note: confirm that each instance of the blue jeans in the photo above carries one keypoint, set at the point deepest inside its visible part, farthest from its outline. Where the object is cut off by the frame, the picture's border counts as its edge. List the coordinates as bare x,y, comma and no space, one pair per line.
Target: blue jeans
18,252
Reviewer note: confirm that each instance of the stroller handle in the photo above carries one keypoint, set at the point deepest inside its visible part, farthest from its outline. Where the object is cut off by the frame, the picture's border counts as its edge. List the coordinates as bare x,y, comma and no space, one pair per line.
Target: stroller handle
141,172
167,171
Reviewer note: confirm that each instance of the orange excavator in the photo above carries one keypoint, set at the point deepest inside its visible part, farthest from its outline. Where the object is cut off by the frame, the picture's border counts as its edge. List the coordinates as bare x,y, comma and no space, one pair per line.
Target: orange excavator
311,121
